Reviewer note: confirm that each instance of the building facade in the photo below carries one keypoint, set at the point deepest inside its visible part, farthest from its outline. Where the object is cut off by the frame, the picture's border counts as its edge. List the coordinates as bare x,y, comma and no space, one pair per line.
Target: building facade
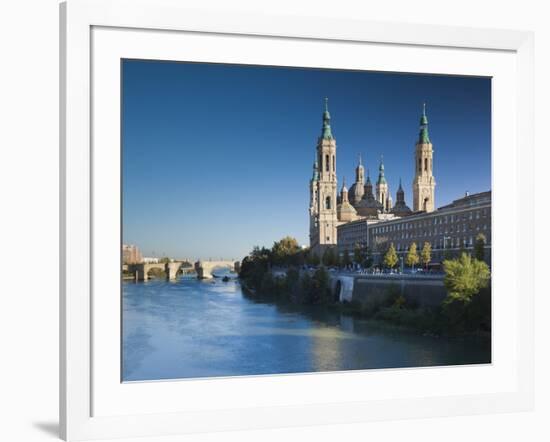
449,230
131,254
355,233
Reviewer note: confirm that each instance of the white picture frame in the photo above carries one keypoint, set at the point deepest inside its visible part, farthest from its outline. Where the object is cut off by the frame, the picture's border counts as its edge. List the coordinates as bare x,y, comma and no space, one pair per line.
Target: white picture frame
91,405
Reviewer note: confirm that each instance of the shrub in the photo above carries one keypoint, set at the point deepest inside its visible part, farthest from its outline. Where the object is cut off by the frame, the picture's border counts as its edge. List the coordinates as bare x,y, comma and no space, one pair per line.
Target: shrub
465,277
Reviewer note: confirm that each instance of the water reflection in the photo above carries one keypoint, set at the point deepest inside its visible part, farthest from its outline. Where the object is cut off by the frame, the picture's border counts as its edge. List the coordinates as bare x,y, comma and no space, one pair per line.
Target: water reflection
193,328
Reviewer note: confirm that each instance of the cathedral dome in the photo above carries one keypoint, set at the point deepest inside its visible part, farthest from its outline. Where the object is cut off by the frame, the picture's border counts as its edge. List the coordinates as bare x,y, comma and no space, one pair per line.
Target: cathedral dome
346,212
356,192
369,206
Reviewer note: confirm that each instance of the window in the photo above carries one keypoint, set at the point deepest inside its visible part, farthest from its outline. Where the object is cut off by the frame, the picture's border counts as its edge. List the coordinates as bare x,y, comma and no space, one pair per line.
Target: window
327,203
420,165
333,164
426,164
327,163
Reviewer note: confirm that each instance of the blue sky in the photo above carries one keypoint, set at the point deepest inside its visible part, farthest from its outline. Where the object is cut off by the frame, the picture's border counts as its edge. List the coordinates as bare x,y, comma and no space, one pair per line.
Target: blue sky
217,158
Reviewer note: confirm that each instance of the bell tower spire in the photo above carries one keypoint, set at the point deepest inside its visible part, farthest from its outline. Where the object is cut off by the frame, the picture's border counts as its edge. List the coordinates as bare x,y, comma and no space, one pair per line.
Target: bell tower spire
382,189
323,217
326,132
424,181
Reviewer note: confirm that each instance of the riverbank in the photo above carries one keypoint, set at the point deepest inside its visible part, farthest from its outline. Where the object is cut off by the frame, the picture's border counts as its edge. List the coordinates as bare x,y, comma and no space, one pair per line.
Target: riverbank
390,307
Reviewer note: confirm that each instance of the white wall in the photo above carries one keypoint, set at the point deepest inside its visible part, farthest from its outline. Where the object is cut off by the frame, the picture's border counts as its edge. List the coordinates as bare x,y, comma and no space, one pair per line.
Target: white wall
28,221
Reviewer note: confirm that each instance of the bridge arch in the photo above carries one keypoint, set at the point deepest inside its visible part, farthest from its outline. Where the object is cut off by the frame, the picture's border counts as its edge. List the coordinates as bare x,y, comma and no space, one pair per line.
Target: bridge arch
172,269
204,269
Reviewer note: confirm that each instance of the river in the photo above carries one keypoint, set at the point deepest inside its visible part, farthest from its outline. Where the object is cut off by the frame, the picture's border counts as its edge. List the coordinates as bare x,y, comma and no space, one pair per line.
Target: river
190,328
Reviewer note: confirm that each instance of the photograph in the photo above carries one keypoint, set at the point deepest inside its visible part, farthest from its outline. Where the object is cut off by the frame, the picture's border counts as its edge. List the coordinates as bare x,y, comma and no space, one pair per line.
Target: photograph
282,220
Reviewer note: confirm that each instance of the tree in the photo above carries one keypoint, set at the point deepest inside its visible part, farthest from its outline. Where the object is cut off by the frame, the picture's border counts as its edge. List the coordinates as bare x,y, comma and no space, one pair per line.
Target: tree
346,260
412,256
358,255
426,254
390,258
313,259
284,251
337,262
465,277
479,247
329,258
321,286
368,261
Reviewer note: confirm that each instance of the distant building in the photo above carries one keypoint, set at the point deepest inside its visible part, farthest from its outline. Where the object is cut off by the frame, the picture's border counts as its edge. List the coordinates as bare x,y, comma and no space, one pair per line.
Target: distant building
150,260
449,229
131,254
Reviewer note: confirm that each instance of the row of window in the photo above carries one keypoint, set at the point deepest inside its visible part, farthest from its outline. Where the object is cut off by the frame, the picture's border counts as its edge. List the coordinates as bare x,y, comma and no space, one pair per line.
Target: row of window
447,243
438,220
441,231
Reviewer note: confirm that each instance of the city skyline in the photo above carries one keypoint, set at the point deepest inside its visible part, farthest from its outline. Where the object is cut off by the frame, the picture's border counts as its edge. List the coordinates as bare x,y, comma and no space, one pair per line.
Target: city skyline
217,158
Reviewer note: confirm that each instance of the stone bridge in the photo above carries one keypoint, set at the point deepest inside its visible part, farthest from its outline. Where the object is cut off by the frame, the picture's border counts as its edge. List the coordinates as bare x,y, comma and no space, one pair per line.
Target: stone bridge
141,271
204,268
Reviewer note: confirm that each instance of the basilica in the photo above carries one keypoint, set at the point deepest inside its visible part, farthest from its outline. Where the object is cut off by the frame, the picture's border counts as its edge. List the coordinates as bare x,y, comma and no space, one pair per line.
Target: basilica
330,209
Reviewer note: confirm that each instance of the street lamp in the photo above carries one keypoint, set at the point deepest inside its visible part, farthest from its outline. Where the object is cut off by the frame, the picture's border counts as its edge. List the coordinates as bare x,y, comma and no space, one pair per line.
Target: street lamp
401,259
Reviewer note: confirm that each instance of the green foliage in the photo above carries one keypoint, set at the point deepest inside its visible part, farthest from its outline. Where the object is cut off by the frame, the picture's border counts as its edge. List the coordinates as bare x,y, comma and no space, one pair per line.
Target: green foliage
164,260
465,277
254,266
268,283
362,255
337,259
479,247
330,257
426,254
358,254
312,289
400,302
412,257
321,286
390,258
313,259
346,260
368,261
285,251
474,316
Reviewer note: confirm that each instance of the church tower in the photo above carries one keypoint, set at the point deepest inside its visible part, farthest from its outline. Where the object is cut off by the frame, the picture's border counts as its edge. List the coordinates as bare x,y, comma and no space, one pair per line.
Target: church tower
382,189
323,215
424,181
357,190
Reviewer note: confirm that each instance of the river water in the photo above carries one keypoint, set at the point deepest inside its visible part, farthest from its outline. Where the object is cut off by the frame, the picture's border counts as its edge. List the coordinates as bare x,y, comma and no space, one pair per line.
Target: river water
190,328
